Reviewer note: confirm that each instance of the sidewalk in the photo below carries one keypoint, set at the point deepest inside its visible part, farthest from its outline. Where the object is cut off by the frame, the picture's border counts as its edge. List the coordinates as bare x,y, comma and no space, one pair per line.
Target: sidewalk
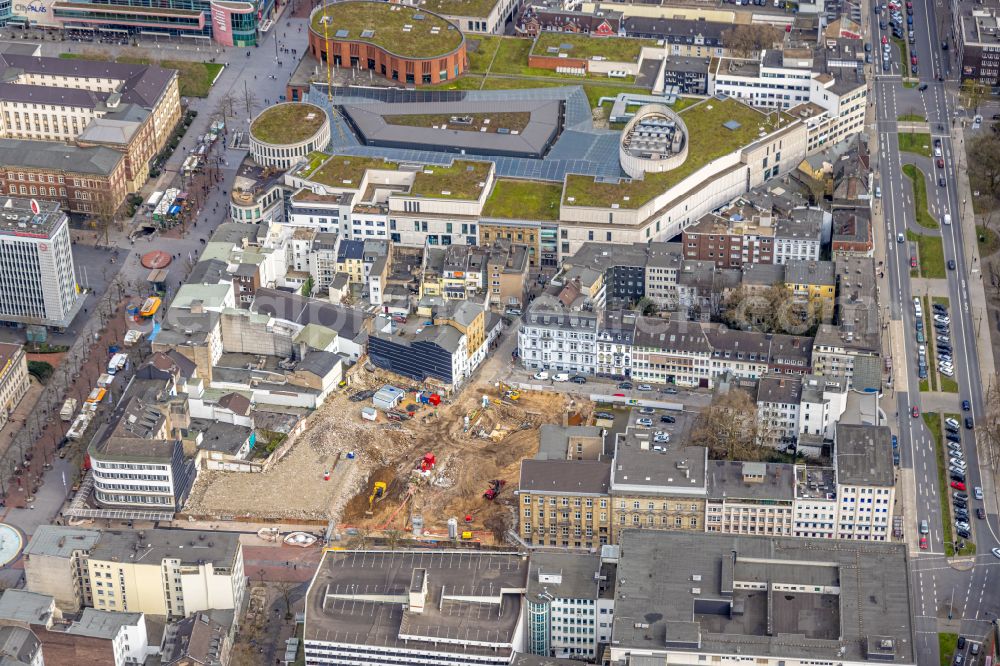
977,293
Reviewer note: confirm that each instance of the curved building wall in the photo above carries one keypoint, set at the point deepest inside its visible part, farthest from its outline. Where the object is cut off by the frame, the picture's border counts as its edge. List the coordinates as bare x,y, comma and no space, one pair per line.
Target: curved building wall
407,70
284,155
633,162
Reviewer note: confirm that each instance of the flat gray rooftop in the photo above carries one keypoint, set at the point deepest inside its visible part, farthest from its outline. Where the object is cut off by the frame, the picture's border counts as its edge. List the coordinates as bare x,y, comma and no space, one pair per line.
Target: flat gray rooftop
362,598
154,545
821,600
680,470
576,571
864,455
729,480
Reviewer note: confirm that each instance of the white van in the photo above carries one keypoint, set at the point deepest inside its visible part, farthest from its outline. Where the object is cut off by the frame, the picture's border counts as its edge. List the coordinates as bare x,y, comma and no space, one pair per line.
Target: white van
947,218
560,377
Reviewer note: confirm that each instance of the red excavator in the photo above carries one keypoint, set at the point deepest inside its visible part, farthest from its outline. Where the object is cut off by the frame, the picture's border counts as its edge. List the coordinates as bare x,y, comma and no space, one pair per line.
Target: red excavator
495,486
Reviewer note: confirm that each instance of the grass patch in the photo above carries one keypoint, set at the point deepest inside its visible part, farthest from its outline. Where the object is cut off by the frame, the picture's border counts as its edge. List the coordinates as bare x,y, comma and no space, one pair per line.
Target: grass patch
461,180
911,118
909,83
194,79
524,199
511,56
707,140
515,120
346,171
989,240
930,254
482,56
584,47
388,25
919,183
947,644
917,143
287,123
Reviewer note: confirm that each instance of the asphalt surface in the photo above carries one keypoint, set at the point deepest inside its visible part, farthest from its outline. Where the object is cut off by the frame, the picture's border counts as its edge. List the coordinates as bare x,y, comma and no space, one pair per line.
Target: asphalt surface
963,597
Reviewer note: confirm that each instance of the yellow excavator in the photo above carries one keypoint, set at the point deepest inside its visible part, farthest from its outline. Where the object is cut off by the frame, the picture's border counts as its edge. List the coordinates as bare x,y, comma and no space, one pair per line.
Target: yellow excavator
378,494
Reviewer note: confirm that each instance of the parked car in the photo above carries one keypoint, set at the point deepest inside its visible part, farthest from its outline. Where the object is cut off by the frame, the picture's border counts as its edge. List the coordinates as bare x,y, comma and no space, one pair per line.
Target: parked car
578,379
951,422
647,410
977,492
645,387
666,418
958,485
541,374
644,422
625,386
966,405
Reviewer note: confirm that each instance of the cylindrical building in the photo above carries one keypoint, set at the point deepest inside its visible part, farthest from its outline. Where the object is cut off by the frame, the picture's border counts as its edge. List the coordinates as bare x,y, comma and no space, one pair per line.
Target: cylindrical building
284,134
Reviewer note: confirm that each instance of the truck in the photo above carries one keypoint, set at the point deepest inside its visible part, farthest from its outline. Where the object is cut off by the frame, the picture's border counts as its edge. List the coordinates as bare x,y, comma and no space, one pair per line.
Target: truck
68,409
118,362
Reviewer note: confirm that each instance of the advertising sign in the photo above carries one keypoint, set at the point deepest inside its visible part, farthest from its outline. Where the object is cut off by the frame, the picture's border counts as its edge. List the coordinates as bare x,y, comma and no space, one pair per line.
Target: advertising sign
36,12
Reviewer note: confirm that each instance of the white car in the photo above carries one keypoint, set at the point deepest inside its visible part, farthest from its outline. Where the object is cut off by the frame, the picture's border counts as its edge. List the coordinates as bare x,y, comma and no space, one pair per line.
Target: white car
645,387
961,525
541,375
977,492
996,553
948,373
644,422
941,319
952,422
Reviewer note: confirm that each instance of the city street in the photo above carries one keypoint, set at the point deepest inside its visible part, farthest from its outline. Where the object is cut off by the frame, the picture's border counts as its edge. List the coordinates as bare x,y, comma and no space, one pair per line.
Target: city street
962,594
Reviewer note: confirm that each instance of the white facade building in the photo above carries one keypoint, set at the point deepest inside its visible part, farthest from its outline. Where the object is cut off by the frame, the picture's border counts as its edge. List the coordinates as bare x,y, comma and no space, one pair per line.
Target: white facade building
824,399
37,275
559,339
865,482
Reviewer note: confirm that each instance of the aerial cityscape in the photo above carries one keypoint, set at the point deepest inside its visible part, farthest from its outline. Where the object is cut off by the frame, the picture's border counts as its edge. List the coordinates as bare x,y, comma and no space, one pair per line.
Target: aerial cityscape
499,332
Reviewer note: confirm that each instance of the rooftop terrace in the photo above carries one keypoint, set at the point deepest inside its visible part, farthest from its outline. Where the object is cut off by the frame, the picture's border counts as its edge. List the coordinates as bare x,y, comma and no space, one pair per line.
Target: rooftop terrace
399,29
479,8
708,139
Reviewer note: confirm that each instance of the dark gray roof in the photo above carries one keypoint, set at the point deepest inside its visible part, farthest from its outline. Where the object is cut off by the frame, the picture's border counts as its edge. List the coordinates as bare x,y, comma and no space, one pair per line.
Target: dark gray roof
54,156
102,624
675,335
143,84
573,477
799,271
864,455
726,480
675,588
319,363
350,249
154,545
210,271
782,389
219,435
532,141
577,574
60,541
348,323
18,646
680,470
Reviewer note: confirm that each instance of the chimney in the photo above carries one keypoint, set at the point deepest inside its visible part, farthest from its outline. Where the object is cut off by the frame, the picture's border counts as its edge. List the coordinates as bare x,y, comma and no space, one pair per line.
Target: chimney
418,590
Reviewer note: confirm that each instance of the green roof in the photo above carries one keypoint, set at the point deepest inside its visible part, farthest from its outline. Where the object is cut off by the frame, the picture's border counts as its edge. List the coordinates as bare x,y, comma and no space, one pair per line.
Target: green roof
290,122
459,181
708,139
615,49
387,24
316,336
347,171
524,200
477,8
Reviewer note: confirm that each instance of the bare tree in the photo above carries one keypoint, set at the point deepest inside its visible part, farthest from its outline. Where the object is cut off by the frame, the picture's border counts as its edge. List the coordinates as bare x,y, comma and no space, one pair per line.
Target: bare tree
746,41
728,428
988,425
250,100
984,163
973,93
285,589
225,107
104,217
499,524
243,654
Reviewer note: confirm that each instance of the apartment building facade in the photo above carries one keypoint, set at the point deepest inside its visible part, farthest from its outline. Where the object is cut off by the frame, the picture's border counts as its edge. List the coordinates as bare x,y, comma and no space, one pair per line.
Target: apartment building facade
750,498
564,503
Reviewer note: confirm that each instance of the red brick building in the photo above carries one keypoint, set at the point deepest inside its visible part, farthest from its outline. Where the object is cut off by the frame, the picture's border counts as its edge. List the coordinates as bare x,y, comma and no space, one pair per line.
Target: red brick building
729,244
401,43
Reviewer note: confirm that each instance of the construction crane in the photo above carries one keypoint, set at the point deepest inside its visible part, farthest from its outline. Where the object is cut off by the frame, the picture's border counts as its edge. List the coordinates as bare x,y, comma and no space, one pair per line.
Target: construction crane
378,494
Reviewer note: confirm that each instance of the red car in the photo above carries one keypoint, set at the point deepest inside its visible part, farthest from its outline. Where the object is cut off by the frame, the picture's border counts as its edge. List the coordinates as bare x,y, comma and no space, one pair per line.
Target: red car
958,485
923,543
915,412
913,262
885,40
940,163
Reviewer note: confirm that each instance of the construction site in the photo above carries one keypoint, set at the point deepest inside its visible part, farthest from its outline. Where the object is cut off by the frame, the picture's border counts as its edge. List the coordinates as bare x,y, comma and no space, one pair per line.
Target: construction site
409,471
